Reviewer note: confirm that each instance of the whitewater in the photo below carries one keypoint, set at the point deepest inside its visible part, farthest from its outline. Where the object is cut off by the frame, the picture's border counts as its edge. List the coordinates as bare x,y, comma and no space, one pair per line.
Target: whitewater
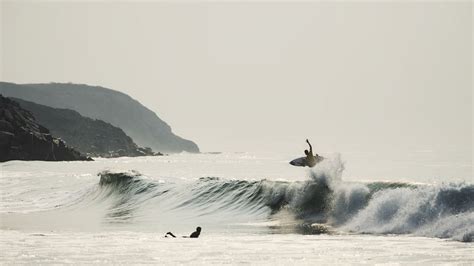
253,208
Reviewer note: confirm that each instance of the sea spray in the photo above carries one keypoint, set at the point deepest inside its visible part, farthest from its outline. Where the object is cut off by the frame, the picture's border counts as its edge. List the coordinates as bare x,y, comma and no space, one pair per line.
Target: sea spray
442,211
329,171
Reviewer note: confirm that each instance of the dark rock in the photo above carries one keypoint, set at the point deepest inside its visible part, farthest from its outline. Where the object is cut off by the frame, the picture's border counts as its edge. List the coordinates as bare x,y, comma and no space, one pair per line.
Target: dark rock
5,126
27,140
89,136
8,115
5,139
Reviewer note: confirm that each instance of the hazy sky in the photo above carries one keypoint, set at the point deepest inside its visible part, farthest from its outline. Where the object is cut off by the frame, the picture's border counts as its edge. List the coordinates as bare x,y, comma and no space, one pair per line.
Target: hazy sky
264,76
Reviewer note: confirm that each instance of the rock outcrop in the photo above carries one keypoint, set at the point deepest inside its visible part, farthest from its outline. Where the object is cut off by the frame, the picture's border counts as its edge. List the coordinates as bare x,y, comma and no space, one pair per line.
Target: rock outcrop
92,137
113,107
22,138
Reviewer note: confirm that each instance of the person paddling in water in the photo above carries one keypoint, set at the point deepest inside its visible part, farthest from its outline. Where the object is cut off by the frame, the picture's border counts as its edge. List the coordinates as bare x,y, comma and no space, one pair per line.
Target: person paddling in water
310,159
194,234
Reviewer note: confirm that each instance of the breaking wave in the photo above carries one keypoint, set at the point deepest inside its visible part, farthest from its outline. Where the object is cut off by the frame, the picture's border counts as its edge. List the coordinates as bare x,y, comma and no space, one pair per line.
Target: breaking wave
444,211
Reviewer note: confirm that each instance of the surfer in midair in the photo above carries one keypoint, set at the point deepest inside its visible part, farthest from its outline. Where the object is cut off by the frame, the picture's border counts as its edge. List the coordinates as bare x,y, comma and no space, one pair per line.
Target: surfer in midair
310,159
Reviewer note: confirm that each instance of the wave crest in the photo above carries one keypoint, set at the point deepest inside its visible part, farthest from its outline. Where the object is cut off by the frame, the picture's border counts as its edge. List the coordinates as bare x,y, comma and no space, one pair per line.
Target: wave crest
445,211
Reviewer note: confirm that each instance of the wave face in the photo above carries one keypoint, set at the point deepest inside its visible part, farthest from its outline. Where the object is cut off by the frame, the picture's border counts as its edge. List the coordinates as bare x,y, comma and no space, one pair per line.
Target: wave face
444,211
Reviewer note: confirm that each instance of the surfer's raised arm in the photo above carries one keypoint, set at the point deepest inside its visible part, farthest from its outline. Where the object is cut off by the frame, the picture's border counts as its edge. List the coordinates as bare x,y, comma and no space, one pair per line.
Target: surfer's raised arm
310,147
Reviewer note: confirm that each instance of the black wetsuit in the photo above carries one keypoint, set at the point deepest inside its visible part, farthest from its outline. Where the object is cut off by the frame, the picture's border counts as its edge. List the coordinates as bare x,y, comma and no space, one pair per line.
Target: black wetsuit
195,234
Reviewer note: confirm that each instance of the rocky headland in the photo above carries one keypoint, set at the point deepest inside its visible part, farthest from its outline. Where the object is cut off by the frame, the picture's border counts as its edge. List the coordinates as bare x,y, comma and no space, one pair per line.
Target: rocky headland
137,121
92,137
23,138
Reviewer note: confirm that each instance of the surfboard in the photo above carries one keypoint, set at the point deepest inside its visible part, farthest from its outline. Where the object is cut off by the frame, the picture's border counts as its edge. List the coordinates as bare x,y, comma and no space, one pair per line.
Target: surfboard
302,161
299,162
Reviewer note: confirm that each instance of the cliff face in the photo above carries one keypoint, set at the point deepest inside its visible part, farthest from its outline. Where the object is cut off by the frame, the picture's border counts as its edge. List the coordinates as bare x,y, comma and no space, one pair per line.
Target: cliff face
92,137
22,138
116,108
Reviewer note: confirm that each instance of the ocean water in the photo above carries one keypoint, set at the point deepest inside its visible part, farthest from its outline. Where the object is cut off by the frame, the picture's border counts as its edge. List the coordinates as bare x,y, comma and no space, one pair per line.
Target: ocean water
253,208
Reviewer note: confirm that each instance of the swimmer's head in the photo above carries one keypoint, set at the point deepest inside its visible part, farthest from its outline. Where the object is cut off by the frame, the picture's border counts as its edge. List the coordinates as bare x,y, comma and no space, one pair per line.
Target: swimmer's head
306,152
